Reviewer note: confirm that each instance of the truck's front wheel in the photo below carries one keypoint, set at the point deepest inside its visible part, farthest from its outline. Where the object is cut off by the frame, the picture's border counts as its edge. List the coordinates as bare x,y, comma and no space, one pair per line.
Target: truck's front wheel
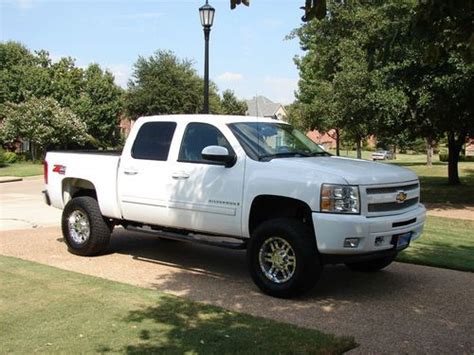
85,231
282,258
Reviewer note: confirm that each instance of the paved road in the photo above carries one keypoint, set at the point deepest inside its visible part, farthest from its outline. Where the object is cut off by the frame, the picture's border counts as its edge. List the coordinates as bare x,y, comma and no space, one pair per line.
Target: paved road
405,309
22,205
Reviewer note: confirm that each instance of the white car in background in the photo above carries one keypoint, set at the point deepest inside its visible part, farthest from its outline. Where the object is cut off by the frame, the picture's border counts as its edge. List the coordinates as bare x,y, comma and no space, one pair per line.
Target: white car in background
382,155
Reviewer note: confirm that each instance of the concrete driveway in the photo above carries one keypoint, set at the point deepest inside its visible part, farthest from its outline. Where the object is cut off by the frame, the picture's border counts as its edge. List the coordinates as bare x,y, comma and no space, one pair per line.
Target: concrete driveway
404,309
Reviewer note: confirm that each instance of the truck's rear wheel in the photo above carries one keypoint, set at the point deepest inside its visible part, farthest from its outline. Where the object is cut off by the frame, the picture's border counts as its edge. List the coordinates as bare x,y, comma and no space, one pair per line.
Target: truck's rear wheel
282,258
85,231
372,265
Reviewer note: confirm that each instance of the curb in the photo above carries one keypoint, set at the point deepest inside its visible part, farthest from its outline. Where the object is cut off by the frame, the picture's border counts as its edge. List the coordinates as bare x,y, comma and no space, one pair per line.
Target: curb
9,179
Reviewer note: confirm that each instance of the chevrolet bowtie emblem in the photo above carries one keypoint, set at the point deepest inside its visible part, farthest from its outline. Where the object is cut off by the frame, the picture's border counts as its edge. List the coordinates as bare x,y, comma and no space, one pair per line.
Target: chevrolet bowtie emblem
401,196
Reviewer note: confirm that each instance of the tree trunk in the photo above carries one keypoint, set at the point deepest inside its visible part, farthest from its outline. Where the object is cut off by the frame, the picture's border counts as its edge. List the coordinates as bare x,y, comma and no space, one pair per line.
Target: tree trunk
429,152
394,153
359,149
454,148
33,151
338,142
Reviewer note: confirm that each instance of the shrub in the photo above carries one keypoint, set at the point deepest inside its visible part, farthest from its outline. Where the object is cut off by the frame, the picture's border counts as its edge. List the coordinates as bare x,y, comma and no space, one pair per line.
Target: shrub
2,157
10,157
444,157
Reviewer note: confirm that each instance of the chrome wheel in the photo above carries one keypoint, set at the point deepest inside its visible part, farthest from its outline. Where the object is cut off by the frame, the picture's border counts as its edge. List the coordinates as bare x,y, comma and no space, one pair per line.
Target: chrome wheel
79,227
277,260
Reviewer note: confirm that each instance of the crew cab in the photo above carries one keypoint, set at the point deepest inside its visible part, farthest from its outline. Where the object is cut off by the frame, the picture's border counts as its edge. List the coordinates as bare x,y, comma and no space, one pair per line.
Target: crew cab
239,182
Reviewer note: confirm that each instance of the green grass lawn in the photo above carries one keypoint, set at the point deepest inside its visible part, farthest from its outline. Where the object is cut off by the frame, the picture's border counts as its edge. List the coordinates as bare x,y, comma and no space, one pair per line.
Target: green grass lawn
434,183
434,180
446,243
48,310
22,169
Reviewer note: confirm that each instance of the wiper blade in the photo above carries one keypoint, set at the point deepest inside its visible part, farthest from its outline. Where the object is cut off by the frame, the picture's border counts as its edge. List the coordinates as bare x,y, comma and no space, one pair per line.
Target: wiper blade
320,154
284,155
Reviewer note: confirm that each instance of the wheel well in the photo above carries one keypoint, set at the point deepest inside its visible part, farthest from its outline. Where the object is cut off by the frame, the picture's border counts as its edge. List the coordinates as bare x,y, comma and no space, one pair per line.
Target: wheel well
73,187
267,207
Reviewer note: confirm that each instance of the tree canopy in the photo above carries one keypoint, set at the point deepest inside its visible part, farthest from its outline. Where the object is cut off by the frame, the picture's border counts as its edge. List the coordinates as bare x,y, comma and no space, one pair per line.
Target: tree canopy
231,105
392,68
89,93
163,83
44,123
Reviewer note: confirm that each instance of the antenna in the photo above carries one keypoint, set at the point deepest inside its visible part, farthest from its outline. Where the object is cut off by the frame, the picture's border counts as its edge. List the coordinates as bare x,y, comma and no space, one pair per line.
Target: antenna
256,103
258,123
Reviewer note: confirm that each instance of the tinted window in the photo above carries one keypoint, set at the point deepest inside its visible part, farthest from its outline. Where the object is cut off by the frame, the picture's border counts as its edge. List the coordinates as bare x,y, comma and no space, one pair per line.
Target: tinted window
196,138
153,141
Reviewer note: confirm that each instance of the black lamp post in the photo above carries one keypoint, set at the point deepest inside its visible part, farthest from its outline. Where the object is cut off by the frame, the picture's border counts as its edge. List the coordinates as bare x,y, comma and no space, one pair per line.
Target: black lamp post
206,12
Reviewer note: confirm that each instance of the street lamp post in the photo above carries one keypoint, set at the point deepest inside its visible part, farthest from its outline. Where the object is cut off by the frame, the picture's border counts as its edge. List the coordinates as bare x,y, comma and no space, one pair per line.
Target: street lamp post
206,13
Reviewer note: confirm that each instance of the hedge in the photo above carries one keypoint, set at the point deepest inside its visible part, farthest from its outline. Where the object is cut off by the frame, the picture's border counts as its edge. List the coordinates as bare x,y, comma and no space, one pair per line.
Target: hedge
444,157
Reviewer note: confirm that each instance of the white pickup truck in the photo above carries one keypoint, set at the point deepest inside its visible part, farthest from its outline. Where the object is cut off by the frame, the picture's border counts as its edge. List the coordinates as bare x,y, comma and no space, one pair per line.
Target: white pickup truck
240,182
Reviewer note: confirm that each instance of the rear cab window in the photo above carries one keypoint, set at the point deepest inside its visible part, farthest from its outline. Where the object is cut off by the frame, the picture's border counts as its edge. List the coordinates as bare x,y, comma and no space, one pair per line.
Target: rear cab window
153,141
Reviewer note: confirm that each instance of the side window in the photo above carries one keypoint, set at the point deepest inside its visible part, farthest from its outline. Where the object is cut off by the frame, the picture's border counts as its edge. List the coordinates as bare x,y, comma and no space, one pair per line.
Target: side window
153,141
198,136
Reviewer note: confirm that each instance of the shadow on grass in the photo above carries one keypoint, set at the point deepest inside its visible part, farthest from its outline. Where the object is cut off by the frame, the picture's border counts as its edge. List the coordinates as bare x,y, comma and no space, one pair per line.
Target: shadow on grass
440,254
435,189
415,163
179,327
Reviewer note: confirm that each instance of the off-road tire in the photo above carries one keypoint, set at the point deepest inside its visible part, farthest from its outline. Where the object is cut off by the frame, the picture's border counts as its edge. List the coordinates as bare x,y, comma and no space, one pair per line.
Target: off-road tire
99,235
308,264
372,265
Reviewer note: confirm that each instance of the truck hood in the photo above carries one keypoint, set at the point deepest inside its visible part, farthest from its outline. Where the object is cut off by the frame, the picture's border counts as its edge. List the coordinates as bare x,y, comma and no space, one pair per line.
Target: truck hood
354,171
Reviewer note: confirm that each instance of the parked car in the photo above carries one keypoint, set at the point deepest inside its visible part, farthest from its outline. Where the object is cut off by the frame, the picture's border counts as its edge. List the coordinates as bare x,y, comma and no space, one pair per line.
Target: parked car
382,155
261,184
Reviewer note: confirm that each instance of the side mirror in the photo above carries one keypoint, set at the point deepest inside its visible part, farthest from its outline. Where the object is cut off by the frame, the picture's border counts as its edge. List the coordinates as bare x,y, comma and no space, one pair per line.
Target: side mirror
218,154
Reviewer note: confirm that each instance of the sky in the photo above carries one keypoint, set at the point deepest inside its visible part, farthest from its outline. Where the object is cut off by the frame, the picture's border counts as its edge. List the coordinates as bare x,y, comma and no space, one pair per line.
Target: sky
248,50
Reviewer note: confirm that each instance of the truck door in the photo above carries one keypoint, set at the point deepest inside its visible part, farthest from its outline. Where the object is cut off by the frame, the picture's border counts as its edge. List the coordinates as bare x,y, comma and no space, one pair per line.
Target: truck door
144,176
205,195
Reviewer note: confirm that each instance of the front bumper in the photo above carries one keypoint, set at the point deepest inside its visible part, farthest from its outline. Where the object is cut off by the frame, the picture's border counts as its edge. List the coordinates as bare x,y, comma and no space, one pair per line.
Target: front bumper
375,233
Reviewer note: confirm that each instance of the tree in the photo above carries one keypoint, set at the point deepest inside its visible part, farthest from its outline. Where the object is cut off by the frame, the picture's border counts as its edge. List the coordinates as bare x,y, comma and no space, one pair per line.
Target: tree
44,123
164,84
443,30
99,105
231,105
312,8
337,71
429,59
15,61
91,93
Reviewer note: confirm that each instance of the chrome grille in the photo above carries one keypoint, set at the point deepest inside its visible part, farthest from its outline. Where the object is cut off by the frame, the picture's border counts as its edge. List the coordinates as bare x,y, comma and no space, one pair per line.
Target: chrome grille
381,200
392,206
391,189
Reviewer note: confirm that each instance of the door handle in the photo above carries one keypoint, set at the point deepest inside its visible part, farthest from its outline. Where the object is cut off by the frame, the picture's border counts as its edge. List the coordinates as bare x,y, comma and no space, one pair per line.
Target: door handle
130,172
180,175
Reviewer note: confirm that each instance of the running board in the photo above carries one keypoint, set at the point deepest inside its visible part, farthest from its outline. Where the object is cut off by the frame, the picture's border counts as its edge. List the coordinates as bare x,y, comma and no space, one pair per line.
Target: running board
194,238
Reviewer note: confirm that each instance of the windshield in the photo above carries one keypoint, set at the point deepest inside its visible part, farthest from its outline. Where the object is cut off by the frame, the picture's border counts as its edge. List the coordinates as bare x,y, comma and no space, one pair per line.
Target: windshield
268,140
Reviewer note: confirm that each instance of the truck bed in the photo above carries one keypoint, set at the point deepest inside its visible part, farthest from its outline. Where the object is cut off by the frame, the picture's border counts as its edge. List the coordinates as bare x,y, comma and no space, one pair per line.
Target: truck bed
98,167
91,152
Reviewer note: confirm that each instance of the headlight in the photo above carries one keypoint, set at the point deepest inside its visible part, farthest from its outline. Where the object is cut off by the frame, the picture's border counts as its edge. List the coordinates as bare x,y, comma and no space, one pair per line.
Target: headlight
340,199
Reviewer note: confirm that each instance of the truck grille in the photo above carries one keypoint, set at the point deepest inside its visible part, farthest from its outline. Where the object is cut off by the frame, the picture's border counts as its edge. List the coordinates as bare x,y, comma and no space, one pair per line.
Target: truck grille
391,189
392,206
391,199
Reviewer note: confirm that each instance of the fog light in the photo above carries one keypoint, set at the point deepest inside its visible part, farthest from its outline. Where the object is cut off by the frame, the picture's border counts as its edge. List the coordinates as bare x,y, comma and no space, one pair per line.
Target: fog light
379,241
351,242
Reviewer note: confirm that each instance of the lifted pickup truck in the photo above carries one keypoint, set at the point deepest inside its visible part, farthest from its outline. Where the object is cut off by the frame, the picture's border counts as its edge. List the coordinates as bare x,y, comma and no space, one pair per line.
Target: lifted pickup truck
240,182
